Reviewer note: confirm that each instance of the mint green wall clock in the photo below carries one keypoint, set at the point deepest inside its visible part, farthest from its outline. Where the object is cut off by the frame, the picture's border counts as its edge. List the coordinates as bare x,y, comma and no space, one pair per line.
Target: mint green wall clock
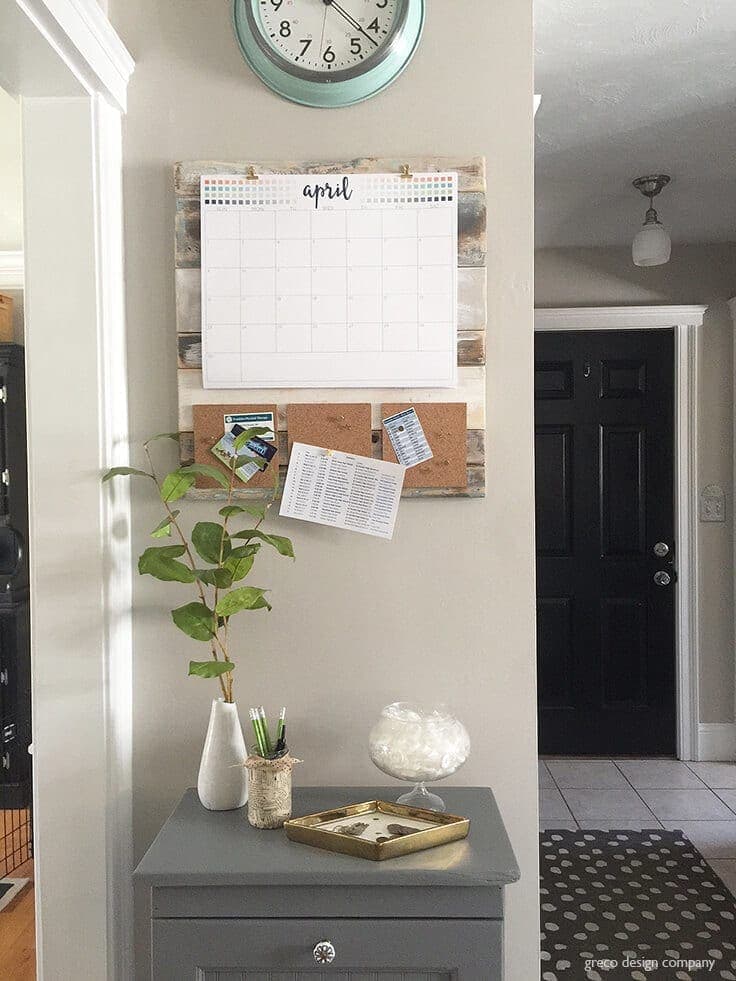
328,53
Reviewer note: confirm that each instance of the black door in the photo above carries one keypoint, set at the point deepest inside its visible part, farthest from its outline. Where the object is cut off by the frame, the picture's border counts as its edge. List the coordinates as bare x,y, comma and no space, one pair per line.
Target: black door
605,515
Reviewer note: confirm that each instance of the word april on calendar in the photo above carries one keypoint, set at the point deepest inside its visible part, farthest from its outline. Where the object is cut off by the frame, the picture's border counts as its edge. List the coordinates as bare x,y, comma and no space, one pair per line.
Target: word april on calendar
329,281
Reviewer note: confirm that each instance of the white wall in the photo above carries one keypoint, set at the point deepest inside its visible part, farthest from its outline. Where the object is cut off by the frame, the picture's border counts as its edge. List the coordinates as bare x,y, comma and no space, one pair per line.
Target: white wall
696,274
11,187
446,610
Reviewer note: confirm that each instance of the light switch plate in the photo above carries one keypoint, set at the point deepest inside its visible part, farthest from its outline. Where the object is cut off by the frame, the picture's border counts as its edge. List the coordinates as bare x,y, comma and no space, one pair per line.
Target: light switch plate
712,503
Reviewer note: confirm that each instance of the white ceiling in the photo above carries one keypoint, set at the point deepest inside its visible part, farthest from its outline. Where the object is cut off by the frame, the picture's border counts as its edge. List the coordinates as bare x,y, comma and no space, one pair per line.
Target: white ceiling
633,87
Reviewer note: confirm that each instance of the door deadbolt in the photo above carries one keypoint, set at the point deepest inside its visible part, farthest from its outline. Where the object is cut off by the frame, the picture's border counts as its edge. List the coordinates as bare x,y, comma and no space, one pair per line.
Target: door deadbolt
662,578
661,549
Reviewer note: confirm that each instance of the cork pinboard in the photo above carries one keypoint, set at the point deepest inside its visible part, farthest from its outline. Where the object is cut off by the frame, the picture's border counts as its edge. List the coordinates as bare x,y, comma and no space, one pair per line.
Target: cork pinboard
209,427
339,426
445,426
471,339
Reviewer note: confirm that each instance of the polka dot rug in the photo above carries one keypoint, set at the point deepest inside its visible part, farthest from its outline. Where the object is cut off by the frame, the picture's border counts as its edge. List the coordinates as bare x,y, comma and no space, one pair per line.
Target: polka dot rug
639,905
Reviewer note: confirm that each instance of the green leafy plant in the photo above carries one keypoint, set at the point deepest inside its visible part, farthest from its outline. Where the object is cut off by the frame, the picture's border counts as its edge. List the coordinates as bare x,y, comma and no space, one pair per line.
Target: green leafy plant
212,559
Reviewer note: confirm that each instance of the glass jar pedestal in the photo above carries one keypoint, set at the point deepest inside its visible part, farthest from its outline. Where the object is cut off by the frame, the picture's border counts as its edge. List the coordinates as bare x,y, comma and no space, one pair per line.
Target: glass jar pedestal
419,796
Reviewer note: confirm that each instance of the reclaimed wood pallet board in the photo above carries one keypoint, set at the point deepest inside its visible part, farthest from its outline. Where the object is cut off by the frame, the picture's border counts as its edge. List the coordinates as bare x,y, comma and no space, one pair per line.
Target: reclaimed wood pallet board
472,316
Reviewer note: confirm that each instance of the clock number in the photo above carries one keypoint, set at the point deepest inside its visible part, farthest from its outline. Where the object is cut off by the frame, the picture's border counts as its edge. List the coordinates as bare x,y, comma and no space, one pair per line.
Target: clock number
374,25
382,5
306,41
276,4
329,55
355,46
285,29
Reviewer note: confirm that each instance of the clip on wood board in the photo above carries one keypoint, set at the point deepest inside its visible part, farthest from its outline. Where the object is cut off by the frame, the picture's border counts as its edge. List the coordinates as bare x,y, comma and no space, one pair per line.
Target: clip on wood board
406,173
250,174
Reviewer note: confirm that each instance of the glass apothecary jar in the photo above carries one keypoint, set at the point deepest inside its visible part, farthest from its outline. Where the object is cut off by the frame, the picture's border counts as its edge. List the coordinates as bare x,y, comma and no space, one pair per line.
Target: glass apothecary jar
419,744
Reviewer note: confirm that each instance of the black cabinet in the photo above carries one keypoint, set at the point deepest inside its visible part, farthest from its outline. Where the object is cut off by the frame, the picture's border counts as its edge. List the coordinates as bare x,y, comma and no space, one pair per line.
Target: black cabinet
15,650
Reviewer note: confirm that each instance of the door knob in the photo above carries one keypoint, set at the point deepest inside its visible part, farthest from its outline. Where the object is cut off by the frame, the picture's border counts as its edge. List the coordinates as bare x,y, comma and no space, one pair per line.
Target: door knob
662,578
324,952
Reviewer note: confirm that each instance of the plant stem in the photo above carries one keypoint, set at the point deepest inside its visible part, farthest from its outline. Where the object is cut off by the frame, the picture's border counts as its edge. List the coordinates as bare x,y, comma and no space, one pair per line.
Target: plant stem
225,646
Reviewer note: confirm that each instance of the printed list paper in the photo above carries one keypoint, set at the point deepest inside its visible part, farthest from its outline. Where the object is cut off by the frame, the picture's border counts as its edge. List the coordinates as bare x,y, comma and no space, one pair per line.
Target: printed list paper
342,490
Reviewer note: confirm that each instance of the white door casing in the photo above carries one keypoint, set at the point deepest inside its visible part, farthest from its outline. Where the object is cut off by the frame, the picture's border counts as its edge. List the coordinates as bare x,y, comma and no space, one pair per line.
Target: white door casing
686,321
70,70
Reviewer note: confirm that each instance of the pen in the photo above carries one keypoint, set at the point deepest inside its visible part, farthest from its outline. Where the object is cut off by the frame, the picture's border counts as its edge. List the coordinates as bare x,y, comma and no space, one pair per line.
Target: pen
280,749
257,730
280,728
264,725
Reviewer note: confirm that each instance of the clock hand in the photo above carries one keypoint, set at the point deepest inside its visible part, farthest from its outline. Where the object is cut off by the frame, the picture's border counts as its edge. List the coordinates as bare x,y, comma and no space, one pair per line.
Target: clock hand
349,19
324,24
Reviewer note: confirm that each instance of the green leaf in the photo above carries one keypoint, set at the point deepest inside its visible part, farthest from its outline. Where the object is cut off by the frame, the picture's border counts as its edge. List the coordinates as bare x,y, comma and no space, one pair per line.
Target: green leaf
196,620
175,485
245,598
160,562
282,545
210,669
242,438
163,528
222,578
208,537
174,436
124,472
205,470
245,459
257,510
239,565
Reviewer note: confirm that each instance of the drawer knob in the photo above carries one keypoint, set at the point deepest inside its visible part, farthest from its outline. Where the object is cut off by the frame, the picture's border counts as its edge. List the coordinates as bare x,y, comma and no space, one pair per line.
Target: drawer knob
324,952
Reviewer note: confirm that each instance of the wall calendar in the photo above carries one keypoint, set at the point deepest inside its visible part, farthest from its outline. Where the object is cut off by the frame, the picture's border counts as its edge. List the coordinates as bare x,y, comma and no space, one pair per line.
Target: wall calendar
329,280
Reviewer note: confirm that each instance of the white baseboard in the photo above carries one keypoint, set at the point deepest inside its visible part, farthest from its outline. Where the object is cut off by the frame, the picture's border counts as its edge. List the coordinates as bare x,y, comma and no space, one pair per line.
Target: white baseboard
717,741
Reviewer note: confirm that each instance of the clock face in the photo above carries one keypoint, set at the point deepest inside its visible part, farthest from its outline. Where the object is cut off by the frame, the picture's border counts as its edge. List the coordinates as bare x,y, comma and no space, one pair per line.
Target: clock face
329,36
328,52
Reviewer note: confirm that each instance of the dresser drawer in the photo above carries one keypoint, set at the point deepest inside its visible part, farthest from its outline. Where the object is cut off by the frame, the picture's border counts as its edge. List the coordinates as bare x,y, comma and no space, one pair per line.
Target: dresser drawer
327,902
282,950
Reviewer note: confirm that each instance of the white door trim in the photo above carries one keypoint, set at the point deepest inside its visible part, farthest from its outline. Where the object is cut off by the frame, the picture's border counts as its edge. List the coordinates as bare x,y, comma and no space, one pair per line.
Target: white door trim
70,70
81,36
687,321
11,270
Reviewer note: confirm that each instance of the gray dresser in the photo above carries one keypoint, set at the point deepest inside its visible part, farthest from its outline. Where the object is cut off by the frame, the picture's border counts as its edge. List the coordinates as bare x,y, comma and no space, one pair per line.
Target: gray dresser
229,903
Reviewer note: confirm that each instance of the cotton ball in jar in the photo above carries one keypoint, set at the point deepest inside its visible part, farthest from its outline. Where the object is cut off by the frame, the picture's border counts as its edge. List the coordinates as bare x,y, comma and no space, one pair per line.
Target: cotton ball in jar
412,743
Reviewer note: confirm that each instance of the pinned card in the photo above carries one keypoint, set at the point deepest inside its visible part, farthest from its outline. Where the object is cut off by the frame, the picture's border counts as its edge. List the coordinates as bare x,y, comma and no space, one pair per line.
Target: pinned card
407,438
260,452
211,422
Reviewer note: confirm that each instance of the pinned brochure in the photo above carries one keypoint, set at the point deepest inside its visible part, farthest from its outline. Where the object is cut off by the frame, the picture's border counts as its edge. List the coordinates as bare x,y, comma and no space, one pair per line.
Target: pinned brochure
342,490
407,438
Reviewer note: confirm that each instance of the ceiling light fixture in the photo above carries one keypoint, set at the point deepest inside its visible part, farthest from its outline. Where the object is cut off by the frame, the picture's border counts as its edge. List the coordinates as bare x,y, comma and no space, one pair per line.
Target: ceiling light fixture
652,245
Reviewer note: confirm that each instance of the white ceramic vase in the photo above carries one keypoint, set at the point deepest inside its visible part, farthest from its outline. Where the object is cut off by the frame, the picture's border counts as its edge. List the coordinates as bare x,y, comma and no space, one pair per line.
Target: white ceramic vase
222,784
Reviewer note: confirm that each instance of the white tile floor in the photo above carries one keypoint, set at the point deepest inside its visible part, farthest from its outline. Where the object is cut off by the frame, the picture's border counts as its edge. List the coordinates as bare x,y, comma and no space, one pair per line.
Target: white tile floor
698,799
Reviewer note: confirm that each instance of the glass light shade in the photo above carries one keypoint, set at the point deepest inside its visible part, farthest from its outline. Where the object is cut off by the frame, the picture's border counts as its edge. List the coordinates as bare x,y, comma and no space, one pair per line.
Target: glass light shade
652,246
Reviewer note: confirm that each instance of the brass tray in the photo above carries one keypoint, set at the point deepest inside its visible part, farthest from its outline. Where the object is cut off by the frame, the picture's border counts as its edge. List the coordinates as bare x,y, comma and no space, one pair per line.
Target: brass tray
377,829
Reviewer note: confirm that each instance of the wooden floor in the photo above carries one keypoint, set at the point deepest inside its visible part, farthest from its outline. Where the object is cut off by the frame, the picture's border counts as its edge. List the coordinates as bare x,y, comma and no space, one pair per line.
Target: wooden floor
18,929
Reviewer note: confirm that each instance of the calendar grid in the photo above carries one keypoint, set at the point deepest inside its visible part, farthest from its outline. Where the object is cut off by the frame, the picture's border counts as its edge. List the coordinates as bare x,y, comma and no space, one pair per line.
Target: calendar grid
356,287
